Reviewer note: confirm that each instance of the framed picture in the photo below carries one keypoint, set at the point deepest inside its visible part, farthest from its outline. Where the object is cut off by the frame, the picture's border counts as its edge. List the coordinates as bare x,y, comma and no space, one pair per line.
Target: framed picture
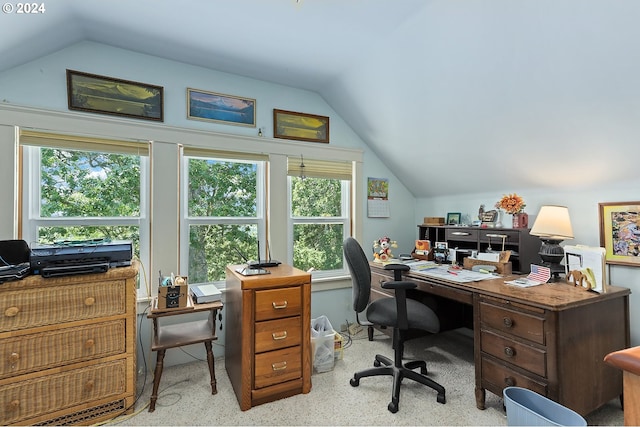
453,218
220,108
620,232
300,126
106,95
489,217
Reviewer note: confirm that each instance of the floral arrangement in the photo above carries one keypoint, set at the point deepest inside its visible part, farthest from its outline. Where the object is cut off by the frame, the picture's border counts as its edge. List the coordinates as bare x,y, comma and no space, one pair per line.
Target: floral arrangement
511,204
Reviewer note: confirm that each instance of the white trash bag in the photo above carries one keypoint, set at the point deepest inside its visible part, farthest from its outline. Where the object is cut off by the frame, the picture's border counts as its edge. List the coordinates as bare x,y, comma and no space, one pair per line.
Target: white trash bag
322,336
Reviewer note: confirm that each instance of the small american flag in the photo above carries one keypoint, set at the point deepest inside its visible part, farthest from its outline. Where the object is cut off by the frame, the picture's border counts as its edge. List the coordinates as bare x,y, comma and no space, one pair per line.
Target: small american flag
539,273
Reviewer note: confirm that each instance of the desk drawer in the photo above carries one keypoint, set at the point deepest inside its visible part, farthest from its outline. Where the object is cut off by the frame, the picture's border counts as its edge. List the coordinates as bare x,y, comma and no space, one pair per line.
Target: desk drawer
510,237
278,366
276,334
516,323
278,303
525,356
496,376
465,235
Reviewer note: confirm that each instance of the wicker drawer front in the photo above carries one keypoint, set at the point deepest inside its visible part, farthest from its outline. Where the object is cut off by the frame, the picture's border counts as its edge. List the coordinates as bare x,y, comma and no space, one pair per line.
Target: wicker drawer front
278,303
513,322
278,366
496,377
522,355
36,352
276,334
30,308
40,396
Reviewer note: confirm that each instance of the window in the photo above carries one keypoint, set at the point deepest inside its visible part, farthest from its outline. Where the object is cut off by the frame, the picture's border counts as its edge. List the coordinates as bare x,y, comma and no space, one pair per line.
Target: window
222,211
319,198
77,189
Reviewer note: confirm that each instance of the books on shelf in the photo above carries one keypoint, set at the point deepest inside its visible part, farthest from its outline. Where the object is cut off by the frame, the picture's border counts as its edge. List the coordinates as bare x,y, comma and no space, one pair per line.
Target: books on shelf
205,293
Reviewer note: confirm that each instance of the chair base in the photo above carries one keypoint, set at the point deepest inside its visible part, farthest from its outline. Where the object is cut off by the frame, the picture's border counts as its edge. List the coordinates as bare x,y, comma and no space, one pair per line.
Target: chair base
385,366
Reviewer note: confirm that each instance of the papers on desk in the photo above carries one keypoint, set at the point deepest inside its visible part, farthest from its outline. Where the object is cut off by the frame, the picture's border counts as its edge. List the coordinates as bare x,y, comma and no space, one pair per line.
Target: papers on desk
431,269
538,276
524,283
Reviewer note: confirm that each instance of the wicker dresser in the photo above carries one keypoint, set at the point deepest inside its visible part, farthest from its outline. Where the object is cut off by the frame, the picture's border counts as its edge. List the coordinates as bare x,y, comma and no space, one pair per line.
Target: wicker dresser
68,348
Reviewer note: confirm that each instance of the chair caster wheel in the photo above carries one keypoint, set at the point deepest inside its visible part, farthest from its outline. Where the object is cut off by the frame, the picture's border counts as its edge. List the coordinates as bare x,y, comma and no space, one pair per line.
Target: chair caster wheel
376,363
393,407
441,398
354,382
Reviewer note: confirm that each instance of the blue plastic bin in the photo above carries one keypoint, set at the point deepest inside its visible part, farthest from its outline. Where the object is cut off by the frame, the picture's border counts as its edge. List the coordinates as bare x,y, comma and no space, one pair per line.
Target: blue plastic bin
528,408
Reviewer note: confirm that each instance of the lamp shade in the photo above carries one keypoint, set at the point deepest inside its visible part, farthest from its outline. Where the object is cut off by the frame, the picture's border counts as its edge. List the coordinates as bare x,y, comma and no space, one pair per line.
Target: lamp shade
553,222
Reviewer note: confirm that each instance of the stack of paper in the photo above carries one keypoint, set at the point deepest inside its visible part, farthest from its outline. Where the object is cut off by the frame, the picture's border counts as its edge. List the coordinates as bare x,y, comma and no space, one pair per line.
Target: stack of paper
585,266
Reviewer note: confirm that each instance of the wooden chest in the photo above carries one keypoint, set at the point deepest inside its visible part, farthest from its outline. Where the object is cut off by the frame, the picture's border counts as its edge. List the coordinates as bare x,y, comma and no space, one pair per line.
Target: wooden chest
68,348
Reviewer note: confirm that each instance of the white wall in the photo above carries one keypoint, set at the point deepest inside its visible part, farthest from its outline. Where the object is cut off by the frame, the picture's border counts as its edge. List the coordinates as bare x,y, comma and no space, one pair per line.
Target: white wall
583,210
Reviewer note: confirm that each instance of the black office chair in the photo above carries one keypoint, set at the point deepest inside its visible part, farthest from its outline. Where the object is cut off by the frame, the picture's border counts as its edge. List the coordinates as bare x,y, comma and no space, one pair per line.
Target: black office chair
399,313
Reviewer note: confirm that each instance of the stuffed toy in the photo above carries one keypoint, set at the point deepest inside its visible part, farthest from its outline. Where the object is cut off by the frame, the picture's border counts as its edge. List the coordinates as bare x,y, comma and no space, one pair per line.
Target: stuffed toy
382,249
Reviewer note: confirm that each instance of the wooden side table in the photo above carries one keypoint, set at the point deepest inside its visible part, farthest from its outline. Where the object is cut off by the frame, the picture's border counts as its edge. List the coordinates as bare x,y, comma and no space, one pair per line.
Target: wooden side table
171,336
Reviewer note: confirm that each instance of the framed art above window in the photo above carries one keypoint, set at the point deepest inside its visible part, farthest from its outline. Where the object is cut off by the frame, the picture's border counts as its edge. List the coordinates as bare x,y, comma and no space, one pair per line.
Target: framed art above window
220,108
300,126
106,95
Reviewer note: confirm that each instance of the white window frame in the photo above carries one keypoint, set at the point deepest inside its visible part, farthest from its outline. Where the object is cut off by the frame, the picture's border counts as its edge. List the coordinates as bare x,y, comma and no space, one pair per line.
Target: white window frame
187,221
344,219
31,219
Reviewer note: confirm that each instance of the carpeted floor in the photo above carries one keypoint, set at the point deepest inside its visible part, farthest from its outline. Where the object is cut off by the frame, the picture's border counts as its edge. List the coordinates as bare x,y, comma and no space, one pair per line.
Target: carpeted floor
185,394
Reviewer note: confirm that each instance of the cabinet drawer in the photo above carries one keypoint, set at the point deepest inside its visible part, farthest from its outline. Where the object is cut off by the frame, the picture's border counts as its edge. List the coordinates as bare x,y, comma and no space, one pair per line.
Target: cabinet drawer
496,377
462,234
278,303
524,356
517,323
278,366
34,307
40,396
510,237
36,352
276,334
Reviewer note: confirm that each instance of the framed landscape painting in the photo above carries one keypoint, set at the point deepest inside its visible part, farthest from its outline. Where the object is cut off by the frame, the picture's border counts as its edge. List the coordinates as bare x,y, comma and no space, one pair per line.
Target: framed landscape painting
221,108
106,95
620,232
300,126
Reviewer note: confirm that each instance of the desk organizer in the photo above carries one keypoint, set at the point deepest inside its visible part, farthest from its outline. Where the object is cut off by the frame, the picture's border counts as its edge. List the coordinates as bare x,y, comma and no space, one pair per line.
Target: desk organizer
172,297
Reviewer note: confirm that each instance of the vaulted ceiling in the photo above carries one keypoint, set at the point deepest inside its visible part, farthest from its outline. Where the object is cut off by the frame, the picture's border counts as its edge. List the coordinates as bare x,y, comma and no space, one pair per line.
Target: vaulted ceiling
455,96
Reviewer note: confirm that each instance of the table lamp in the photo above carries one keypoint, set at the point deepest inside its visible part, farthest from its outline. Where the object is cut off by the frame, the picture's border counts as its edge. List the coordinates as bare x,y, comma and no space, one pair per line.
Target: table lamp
553,226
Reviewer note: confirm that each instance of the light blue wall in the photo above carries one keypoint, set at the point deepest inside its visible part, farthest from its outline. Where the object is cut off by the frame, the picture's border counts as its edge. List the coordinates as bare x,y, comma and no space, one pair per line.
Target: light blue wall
42,84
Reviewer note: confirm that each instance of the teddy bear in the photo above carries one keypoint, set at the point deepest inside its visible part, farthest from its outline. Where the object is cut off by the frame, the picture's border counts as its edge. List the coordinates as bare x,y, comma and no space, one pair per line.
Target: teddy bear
382,249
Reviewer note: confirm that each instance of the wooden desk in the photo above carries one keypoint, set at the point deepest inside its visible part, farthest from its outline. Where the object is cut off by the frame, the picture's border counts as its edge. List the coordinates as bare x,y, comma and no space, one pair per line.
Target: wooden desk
171,336
268,345
550,338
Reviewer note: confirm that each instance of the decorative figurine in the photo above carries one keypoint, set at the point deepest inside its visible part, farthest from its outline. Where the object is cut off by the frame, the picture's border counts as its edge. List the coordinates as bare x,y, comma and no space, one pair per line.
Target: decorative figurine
382,249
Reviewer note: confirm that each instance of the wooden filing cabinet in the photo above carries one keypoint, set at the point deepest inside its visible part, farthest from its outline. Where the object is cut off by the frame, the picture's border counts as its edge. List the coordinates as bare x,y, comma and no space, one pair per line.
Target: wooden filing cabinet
68,348
268,336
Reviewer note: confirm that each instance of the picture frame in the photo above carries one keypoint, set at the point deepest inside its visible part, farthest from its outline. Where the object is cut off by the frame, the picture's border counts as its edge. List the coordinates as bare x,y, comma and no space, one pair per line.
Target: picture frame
489,217
454,218
300,126
107,95
220,108
620,232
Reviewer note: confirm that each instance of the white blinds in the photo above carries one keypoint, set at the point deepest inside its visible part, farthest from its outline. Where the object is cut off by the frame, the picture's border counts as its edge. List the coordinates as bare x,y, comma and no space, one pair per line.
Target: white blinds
319,168
82,143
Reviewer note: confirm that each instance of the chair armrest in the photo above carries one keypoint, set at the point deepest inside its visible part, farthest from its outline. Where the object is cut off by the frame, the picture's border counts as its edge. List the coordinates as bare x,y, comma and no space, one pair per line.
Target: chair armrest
397,270
399,284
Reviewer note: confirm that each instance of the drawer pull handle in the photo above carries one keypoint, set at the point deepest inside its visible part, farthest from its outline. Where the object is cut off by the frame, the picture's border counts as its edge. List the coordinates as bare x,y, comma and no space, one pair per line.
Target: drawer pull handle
88,385
508,322
279,336
13,359
509,381
460,233
279,366
89,301
89,343
11,311
509,352
279,306
14,405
